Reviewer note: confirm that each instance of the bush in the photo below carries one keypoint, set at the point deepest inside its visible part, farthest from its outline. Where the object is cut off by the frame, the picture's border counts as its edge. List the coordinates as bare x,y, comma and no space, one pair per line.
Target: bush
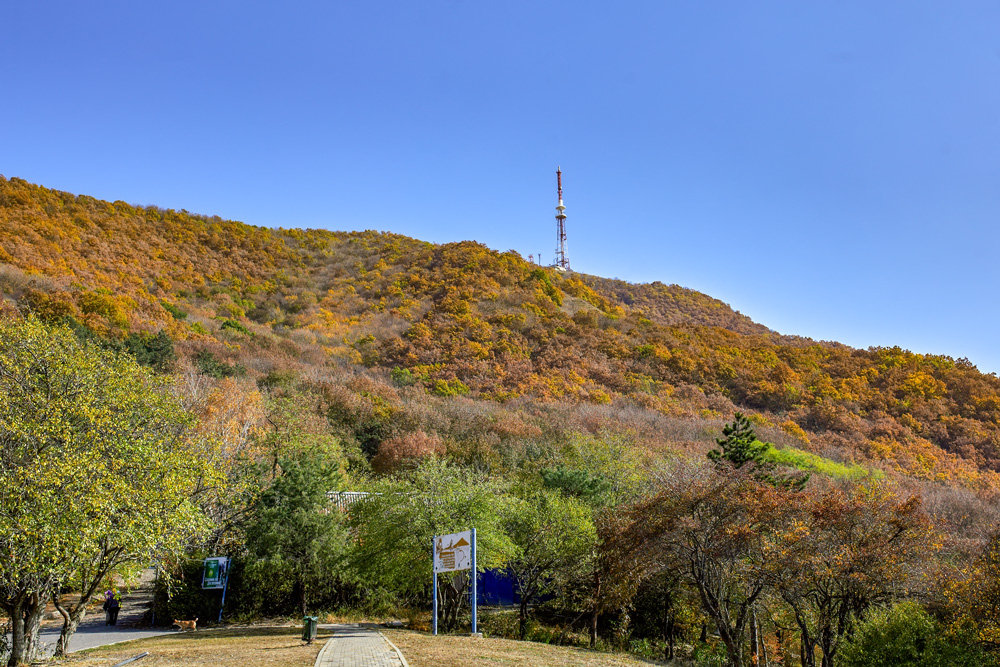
905,635
176,312
403,376
233,325
155,351
210,365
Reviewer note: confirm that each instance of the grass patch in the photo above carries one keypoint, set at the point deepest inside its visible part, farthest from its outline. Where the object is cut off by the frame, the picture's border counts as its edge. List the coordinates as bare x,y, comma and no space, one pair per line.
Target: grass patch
422,648
802,460
233,647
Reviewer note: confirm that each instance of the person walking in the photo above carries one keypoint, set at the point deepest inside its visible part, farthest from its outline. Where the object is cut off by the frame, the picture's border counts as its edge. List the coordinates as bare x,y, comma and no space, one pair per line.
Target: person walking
109,595
114,607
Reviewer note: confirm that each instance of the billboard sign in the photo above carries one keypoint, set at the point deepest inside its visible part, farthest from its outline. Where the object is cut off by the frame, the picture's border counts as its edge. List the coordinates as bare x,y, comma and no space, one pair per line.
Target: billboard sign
453,552
214,575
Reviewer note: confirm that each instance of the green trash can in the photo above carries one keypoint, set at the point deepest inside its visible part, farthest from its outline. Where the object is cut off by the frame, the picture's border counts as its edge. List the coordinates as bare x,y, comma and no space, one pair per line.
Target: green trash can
310,625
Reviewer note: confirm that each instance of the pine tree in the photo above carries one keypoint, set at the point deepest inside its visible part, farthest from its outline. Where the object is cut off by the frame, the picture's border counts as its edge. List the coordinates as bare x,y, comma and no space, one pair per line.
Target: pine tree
739,443
740,446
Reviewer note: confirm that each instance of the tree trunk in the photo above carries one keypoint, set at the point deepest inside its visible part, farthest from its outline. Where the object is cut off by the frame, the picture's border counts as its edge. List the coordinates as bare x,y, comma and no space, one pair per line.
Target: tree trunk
826,643
668,636
71,619
754,657
25,617
32,623
807,645
16,611
523,620
595,614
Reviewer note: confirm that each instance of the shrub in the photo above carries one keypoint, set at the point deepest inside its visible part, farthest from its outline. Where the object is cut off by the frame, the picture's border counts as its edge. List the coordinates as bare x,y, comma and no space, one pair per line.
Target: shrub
449,388
176,312
406,450
210,365
905,635
403,376
233,325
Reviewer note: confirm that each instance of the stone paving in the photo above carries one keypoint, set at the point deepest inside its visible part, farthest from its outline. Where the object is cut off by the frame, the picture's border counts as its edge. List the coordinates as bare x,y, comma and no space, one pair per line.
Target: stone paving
358,646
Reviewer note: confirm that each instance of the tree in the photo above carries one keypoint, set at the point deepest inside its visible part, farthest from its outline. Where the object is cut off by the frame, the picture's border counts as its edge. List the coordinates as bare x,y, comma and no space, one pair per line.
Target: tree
854,548
973,597
395,525
553,536
740,446
723,531
592,488
292,536
96,473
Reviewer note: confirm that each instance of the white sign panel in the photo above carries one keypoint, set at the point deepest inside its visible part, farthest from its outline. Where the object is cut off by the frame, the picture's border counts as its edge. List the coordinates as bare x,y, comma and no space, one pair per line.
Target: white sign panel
453,552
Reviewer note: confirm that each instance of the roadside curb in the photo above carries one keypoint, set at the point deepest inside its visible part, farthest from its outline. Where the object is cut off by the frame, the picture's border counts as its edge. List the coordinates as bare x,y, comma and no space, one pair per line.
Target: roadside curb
323,653
395,648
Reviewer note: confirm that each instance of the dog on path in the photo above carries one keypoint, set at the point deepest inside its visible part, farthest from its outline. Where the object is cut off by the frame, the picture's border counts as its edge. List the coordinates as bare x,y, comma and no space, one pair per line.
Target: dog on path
187,625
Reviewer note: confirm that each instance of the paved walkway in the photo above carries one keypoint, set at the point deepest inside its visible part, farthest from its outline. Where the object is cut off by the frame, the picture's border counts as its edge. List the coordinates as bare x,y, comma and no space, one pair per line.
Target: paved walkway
91,636
358,646
92,632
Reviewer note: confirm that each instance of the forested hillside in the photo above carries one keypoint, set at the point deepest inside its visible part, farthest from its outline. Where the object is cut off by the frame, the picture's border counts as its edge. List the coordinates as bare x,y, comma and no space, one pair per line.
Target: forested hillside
566,416
663,363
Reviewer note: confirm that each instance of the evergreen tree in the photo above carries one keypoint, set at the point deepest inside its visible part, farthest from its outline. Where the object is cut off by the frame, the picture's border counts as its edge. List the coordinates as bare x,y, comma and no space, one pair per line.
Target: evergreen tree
739,443
740,446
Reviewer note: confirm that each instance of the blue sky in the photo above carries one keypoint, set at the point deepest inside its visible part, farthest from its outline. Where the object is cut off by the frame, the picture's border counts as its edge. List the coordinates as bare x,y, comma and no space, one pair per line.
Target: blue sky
830,169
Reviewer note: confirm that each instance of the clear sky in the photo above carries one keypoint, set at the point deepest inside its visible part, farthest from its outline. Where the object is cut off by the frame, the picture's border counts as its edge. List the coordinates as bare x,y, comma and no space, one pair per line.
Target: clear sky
828,168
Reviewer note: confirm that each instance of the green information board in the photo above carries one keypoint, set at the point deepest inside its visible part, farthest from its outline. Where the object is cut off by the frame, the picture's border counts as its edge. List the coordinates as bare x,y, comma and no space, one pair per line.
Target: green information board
215,572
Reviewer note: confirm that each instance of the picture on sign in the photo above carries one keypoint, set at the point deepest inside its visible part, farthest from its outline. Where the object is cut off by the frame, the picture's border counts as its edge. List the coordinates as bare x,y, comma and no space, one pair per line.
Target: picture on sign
453,552
215,572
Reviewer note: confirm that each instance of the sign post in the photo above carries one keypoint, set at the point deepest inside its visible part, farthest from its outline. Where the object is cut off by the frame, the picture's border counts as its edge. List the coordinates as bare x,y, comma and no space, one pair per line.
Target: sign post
473,568
434,574
216,576
452,553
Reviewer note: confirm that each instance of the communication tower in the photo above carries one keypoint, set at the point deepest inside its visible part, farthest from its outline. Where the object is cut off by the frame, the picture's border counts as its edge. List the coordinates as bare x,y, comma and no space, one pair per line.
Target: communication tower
562,259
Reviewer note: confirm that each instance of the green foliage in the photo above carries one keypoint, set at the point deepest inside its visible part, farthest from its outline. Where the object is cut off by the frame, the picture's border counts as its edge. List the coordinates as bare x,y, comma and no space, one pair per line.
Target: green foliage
550,290
796,458
590,487
298,547
232,325
403,376
395,524
97,477
449,388
553,536
153,350
211,365
175,312
739,444
905,635
610,458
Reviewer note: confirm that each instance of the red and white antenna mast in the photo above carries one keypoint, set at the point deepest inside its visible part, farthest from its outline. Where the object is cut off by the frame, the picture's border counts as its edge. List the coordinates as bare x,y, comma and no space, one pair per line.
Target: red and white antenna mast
562,260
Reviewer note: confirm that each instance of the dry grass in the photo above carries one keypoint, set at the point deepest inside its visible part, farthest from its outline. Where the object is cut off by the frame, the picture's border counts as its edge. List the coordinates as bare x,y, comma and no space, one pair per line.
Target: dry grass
421,648
236,647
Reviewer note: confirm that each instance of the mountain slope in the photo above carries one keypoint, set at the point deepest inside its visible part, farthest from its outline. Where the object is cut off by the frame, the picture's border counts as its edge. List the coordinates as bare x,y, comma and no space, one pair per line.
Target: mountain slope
461,319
